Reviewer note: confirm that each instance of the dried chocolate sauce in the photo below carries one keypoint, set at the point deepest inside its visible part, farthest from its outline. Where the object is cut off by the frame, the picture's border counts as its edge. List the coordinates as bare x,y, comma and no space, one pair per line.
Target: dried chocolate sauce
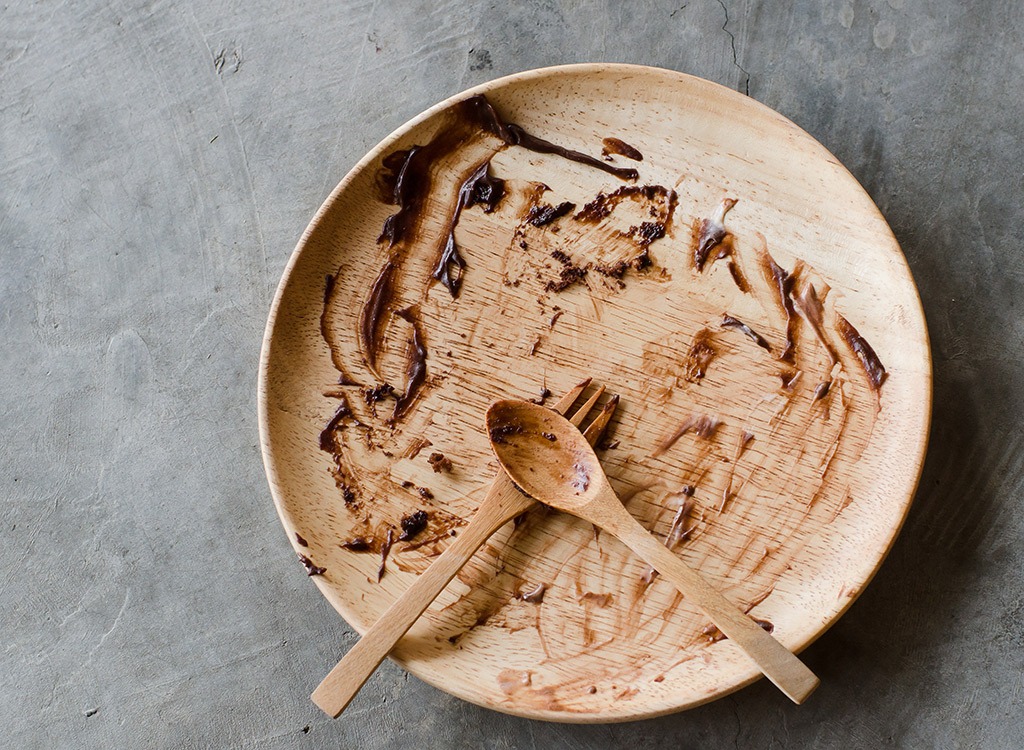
538,145
621,148
415,368
730,322
873,367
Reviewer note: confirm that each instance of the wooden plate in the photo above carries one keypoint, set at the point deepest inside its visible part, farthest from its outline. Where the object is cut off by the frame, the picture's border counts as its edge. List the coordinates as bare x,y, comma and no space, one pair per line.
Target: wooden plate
791,524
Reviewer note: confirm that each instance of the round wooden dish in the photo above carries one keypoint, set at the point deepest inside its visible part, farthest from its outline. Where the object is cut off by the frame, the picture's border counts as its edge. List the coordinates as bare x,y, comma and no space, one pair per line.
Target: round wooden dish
791,523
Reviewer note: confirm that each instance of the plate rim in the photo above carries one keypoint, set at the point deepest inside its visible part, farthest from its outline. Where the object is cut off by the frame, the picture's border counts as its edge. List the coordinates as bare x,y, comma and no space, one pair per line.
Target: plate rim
918,455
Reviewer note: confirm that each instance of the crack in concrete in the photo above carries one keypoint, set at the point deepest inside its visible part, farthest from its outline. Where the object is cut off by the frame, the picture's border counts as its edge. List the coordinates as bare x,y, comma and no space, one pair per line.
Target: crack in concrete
732,43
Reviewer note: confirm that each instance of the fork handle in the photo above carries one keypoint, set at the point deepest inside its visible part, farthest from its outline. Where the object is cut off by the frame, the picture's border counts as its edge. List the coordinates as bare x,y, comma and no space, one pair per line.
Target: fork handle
502,503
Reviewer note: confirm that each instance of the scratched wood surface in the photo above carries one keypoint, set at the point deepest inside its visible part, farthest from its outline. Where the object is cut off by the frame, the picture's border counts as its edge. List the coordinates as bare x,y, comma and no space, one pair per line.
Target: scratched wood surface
791,524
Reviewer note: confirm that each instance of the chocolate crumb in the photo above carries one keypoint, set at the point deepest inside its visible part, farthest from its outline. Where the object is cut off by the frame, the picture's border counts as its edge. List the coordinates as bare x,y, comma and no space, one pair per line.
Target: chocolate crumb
499,433
544,214
648,232
440,463
549,436
412,525
562,257
311,569
300,540
544,395
569,275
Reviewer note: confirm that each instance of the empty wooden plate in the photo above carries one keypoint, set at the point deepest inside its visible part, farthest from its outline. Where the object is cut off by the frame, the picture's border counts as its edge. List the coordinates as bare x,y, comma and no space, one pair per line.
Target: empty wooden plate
756,434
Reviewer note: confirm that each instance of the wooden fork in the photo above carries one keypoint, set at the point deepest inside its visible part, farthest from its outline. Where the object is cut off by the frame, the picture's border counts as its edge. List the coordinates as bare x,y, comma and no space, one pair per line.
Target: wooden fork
502,504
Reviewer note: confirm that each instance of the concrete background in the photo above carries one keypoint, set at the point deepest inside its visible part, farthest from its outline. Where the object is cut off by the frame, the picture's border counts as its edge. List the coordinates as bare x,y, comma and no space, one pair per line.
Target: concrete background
158,162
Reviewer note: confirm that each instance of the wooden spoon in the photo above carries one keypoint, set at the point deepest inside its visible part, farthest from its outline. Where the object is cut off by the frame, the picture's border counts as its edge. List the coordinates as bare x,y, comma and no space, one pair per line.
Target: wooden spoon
548,458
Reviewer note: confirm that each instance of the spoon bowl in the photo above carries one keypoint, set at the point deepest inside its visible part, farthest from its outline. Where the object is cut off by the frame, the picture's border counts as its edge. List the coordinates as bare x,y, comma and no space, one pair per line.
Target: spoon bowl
521,436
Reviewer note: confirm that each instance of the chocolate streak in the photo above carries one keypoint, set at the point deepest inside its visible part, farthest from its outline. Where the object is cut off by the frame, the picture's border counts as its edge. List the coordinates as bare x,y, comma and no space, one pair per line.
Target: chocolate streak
783,282
809,305
415,369
865,354
703,426
327,433
520,137
730,322
479,187
372,317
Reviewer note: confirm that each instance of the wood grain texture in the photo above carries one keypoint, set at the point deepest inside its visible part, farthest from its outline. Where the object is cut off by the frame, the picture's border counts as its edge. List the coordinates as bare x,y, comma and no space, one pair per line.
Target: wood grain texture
811,506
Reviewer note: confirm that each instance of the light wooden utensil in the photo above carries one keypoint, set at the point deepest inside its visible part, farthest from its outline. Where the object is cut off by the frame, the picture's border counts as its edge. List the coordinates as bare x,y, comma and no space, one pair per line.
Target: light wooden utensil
550,460
502,504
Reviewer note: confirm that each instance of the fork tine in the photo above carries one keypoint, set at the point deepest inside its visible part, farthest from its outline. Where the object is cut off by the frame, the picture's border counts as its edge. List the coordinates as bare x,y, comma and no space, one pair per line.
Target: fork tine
580,413
566,401
596,428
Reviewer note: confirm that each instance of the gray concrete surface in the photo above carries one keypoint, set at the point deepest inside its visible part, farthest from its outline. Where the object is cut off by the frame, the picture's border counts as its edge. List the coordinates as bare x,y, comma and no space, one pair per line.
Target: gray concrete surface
158,162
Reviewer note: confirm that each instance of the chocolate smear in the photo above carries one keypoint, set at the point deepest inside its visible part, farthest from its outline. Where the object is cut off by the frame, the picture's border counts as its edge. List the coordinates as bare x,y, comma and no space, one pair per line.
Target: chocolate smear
701,425
782,283
873,367
730,322
416,366
710,233
809,305
327,434
534,595
479,187
620,147
358,544
699,356
371,318
385,549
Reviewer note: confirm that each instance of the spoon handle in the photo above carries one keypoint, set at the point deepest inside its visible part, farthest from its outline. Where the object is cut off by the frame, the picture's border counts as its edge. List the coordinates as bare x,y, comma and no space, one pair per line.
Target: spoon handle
503,503
777,663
